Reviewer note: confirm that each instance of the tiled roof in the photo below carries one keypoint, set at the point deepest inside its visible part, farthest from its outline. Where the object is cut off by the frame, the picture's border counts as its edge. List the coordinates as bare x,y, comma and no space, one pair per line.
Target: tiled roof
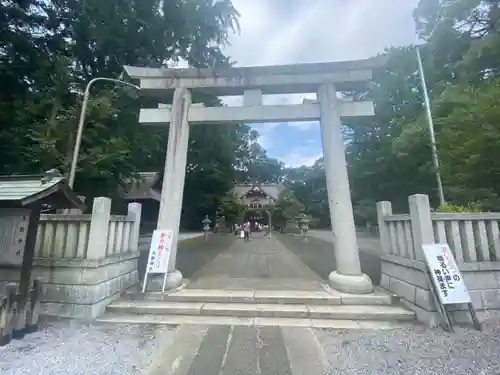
24,190
142,187
272,190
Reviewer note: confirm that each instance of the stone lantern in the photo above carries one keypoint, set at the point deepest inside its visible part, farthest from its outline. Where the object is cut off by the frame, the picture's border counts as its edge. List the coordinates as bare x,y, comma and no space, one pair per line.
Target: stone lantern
303,222
206,227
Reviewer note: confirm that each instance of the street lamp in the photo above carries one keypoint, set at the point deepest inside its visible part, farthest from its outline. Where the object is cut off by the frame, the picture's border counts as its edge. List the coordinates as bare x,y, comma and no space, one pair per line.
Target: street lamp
78,140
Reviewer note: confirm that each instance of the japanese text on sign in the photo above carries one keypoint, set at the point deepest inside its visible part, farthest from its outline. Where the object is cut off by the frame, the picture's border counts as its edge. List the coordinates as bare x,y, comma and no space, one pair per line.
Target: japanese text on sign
445,274
159,252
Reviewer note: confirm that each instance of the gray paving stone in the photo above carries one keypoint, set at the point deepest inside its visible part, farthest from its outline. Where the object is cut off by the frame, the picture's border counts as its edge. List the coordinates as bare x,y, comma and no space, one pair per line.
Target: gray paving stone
273,357
208,360
242,355
263,263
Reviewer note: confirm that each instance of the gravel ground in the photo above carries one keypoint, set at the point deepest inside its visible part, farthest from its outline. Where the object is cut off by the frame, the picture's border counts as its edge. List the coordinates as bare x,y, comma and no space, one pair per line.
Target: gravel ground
414,351
69,347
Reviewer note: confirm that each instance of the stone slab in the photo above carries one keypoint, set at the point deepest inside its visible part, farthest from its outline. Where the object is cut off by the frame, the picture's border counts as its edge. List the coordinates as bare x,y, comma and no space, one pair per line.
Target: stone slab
261,264
242,352
282,322
430,318
73,310
173,319
296,297
156,307
88,294
403,289
175,356
342,312
211,353
74,275
481,280
423,299
366,299
255,310
408,274
360,312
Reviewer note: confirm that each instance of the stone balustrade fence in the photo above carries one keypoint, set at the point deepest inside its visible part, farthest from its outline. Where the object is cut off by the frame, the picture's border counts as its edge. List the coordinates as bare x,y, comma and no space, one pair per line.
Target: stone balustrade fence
83,261
474,239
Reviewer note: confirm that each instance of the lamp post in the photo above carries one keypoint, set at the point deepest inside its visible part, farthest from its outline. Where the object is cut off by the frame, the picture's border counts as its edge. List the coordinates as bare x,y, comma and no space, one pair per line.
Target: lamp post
81,122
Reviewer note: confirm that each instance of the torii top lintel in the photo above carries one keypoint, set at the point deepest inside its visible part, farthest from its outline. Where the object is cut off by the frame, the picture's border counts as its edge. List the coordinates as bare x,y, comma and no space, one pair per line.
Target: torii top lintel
279,79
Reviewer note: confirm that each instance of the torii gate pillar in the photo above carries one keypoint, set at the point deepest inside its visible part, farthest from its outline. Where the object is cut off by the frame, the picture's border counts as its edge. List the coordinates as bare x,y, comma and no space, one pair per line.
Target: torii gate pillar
251,82
348,276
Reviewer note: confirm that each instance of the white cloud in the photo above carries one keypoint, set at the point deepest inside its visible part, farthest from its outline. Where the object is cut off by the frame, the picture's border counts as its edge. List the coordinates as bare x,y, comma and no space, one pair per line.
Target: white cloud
277,32
297,159
303,125
299,31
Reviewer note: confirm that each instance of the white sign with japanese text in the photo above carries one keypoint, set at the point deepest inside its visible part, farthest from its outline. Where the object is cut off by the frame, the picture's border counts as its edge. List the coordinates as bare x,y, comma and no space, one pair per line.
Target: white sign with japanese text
445,274
159,252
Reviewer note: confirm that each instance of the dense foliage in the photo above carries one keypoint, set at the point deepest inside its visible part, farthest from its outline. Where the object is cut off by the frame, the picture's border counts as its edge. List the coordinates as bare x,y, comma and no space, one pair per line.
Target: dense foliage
389,155
50,49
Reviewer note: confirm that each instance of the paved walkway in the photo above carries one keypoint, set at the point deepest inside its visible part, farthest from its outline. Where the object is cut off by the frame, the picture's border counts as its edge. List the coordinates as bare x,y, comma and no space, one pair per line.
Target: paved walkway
367,242
319,256
263,263
232,350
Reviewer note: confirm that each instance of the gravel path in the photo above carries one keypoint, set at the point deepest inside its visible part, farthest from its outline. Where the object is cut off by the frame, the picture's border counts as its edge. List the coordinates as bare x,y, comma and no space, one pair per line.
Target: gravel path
74,348
414,351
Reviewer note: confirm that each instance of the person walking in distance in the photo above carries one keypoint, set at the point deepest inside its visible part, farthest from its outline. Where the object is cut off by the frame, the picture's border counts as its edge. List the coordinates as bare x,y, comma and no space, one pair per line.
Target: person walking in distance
246,230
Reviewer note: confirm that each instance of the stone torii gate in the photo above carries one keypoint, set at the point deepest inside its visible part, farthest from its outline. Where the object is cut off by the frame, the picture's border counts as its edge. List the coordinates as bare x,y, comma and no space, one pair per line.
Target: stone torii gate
326,79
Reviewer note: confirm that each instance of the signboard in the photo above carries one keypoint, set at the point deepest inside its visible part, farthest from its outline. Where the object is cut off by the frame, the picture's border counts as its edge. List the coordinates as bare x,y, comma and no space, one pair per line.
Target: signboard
445,274
159,255
159,251
13,229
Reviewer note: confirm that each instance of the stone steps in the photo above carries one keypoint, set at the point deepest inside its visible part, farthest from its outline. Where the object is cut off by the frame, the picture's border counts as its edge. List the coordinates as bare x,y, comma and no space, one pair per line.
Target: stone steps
254,310
313,308
378,298
121,318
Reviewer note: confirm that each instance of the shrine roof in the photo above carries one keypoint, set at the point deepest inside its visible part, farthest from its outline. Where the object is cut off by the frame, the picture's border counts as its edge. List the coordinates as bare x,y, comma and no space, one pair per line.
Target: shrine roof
50,188
142,187
271,190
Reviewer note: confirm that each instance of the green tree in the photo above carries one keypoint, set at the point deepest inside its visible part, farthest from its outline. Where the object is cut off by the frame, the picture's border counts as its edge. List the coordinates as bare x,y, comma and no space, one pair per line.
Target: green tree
287,207
232,208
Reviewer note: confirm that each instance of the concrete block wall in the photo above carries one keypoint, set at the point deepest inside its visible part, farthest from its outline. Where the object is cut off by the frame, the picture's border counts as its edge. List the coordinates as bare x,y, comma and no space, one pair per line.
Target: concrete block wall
406,279
81,284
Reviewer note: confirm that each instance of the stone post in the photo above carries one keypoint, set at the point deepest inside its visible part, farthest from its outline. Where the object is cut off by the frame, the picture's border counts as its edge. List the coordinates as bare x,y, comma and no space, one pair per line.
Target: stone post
173,178
99,225
348,276
134,212
421,223
384,209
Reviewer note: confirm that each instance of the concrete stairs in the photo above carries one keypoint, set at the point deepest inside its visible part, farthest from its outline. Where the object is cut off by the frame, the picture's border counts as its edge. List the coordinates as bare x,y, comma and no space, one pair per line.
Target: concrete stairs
327,309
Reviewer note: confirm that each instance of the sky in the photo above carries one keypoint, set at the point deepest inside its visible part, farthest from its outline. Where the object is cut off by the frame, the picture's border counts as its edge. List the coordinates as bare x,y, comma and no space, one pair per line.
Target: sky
277,32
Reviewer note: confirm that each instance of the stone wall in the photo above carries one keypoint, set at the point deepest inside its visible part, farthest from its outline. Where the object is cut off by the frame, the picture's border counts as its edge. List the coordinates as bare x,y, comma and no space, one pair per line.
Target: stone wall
406,279
474,240
84,261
